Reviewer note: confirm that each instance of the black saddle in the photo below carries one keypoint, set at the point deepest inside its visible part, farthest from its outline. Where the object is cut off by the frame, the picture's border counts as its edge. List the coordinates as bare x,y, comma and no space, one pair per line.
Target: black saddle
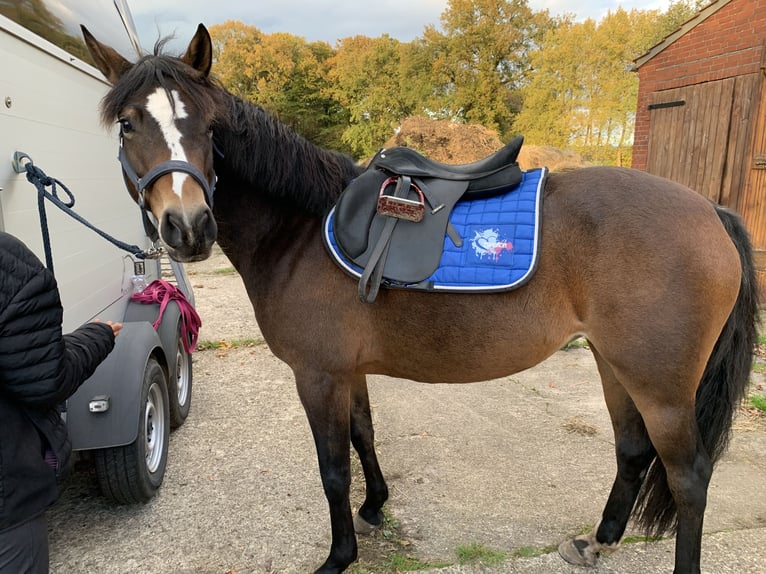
485,176
391,220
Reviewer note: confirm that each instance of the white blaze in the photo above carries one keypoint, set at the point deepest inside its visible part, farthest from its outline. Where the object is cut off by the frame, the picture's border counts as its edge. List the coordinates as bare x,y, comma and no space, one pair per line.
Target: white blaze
160,107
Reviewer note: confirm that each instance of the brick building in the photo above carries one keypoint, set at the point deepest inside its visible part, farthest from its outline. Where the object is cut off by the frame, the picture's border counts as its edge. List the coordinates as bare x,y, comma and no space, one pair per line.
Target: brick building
701,111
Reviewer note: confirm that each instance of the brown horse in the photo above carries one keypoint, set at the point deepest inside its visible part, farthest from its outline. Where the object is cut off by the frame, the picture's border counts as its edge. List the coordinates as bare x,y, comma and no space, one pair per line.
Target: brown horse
658,279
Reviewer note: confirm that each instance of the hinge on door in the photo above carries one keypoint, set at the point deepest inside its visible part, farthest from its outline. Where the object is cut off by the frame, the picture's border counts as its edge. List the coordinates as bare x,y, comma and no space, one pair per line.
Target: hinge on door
763,57
666,105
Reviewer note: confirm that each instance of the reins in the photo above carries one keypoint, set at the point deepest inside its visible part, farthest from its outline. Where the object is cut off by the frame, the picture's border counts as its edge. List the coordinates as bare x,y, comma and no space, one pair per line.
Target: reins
37,177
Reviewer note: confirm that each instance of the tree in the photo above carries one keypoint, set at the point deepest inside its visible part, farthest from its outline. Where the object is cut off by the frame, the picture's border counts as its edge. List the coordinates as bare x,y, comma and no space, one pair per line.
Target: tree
583,91
281,72
481,60
677,13
364,77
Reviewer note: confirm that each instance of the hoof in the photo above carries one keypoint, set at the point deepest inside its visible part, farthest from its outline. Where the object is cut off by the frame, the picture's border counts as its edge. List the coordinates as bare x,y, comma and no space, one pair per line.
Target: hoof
577,552
361,526
585,550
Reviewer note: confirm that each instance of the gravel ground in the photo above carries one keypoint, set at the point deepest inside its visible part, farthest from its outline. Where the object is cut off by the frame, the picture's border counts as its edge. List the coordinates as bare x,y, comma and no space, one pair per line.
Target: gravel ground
515,465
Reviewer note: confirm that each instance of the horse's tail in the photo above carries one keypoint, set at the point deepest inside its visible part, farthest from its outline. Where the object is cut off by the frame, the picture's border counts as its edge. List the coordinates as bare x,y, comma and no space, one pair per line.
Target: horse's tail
721,389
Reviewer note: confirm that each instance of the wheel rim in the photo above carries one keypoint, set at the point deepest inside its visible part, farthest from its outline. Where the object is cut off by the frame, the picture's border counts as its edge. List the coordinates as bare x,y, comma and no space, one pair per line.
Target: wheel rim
182,373
154,424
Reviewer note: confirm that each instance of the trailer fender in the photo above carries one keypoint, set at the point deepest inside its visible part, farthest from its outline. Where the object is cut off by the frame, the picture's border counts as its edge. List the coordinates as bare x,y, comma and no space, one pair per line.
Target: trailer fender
179,362
167,330
105,410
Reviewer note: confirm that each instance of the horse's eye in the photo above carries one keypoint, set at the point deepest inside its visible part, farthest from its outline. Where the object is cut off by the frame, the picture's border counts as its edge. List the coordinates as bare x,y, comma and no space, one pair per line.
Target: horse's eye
125,126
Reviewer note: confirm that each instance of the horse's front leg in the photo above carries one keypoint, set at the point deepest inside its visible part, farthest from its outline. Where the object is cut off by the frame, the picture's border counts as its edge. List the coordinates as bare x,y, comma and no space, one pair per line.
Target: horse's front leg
370,515
326,400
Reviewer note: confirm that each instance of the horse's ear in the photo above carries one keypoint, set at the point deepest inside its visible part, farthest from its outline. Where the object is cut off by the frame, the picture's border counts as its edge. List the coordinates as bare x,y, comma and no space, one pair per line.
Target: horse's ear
111,64
199,54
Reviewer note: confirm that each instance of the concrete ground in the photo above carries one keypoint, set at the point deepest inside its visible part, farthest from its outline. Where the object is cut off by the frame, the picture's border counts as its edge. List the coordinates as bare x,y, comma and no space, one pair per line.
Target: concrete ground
513,466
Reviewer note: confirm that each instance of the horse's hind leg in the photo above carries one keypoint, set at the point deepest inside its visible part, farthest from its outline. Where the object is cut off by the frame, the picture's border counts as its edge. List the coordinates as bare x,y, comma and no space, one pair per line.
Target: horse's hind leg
634,453
327,401
363,438
688,468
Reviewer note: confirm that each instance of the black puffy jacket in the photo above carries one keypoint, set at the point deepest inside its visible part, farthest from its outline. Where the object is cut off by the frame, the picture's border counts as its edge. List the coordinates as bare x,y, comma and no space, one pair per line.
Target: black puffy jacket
39,369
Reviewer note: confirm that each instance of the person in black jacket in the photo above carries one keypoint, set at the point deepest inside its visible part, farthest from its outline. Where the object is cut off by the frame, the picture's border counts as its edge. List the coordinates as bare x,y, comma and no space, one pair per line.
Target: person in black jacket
40,368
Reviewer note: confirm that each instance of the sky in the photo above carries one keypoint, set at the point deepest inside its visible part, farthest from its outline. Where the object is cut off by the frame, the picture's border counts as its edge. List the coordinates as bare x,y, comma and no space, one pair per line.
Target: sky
330,20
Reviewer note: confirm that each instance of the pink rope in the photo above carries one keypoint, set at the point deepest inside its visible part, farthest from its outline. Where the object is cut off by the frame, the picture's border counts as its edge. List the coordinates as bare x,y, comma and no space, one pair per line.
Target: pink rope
162,292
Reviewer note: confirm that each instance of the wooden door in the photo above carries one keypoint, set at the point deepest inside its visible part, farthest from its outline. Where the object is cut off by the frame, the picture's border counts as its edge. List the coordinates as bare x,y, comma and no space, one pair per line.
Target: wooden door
688,135
700,136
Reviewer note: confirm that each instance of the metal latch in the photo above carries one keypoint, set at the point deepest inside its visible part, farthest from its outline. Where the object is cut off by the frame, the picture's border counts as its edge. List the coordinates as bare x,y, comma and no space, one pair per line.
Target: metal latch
20,161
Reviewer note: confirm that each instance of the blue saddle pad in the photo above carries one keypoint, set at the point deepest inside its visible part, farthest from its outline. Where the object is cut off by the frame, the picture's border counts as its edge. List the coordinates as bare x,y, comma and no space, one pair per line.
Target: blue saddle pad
500,242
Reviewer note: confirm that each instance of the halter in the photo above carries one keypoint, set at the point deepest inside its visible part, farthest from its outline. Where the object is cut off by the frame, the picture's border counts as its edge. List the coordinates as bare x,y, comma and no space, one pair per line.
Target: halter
163,168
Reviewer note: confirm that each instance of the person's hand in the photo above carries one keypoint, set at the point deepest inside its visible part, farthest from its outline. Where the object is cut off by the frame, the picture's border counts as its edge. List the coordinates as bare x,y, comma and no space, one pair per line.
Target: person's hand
116,327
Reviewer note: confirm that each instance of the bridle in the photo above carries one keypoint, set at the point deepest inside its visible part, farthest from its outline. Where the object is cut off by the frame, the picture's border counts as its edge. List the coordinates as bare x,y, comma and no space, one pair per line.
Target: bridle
163,168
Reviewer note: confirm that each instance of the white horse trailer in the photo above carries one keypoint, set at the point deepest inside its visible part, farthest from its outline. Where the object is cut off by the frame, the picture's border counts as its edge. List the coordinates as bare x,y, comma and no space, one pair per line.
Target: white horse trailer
49,98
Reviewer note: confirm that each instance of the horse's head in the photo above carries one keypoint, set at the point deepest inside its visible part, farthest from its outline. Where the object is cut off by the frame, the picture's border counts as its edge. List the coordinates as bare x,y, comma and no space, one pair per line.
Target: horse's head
165,108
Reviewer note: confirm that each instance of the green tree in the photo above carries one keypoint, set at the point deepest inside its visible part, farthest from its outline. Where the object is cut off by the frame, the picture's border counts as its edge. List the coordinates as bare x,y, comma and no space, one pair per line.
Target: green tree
677,13
552,97
365,78
481,60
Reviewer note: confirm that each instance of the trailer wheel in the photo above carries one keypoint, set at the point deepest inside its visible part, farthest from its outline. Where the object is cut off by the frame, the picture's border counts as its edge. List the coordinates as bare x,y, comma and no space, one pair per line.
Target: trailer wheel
180,389
133,473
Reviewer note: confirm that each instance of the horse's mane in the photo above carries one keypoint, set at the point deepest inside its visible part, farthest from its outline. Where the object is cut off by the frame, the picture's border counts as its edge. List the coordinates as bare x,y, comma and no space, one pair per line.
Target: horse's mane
264,152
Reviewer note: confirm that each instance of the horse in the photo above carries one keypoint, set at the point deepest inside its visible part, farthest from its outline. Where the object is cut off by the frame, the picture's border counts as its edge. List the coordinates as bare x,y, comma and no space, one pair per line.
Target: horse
659,280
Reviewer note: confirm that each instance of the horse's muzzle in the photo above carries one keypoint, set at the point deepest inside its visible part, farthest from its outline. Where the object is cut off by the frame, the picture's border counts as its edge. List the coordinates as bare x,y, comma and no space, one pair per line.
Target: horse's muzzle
188,236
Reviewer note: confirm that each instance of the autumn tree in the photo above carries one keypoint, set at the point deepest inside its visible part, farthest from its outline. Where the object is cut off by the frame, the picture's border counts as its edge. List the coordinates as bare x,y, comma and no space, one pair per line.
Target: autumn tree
281,72
496,63
583,92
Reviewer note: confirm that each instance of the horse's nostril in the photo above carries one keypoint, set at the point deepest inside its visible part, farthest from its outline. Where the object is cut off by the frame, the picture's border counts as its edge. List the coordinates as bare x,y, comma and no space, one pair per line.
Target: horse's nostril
171,229
206,226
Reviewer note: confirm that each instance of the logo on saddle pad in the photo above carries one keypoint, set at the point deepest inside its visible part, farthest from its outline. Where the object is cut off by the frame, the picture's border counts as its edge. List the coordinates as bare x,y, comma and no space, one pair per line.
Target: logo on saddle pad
487,243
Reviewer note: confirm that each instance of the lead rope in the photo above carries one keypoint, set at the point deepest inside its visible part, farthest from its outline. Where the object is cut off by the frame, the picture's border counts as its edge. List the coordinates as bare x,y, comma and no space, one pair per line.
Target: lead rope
40,180
162,292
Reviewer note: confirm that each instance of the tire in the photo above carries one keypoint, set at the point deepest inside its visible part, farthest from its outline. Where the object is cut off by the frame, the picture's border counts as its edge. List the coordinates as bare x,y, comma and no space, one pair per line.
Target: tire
133,473
180,386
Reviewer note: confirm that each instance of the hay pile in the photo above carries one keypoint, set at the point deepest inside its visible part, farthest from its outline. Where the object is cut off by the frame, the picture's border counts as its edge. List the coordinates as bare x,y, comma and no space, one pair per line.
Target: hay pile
449,142
546,156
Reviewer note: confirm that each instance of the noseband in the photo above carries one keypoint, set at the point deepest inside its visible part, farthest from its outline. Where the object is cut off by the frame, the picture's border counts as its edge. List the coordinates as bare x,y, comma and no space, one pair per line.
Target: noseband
163,168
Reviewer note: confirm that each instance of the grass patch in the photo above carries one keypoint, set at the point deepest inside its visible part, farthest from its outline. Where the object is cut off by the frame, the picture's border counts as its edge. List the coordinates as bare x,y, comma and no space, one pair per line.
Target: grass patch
762,340
758,402
386,551
759,368
579,343
225,271
225,345
476,552
403,562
